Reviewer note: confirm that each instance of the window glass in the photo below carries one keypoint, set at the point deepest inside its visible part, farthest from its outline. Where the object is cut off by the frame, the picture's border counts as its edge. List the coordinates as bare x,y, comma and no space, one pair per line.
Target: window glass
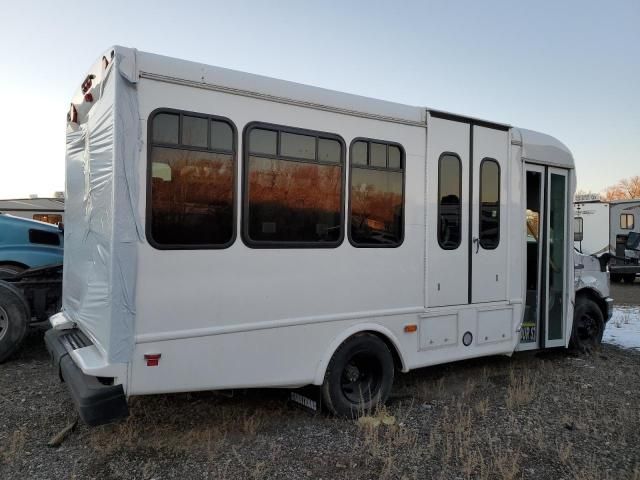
489,227
43,237
556,271
165,128
394,157
359,153
376,204
263,141
329,150
449,202
295,201
626,221
221,136
192,191
51,218
378,155
194,131
376,207
297,146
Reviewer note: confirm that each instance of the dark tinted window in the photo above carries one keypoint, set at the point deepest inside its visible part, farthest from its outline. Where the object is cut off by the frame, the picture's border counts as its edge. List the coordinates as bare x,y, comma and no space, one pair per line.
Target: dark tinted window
378,155
221,136
194,131
298,146
294,198
43,237
449,201
329,150
395,157
263,141
165,128
489,228
192,189
359,153
626,221
376,214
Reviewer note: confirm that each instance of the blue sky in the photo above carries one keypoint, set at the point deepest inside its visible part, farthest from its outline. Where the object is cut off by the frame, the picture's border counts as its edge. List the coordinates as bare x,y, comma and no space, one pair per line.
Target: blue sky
570,68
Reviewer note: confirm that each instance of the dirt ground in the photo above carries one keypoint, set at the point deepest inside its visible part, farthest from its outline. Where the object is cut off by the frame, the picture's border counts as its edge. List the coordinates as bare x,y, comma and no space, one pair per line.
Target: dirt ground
550,415
626,294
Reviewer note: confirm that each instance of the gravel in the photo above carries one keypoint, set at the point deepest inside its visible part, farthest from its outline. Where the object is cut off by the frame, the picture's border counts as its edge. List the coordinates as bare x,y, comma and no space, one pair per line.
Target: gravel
548,415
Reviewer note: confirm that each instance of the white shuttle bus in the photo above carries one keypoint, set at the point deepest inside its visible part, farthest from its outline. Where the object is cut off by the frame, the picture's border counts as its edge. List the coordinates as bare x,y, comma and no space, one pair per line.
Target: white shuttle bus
226,230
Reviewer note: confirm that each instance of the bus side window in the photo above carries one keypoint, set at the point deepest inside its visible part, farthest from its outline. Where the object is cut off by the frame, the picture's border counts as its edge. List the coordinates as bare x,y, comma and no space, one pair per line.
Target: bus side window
376,213
449,201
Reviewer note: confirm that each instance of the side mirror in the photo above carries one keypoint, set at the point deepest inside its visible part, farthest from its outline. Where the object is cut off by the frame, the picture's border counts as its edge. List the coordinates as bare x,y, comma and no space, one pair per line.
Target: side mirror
578,236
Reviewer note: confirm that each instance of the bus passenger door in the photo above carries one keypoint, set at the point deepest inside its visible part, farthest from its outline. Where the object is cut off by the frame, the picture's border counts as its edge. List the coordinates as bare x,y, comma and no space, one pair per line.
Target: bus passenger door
546,225
489,213
447,219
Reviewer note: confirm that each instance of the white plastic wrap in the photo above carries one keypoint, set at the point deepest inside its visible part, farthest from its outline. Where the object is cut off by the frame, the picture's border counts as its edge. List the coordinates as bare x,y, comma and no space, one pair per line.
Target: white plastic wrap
101,224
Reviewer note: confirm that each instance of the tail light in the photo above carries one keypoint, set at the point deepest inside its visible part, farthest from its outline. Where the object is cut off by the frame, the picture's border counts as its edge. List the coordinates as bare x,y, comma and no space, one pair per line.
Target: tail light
86,85
72,115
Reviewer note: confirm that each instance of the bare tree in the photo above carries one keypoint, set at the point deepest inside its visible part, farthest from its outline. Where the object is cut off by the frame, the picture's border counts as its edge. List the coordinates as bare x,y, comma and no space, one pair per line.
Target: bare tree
625,189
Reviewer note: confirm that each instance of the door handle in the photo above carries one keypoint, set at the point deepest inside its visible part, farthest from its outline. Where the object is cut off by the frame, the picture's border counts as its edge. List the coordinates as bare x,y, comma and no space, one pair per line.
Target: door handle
476,241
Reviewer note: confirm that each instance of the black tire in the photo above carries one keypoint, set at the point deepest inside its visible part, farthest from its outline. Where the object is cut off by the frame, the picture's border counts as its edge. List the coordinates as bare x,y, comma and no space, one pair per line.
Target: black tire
588,326
359,376
629,277
615,277
14,319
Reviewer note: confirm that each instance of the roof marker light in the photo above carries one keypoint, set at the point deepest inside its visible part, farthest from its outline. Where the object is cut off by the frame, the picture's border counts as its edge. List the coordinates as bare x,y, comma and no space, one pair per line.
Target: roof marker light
105,63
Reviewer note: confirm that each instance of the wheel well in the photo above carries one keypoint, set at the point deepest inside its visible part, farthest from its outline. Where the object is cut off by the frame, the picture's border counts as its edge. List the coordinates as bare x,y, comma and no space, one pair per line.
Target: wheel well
592,295
14,264
397,360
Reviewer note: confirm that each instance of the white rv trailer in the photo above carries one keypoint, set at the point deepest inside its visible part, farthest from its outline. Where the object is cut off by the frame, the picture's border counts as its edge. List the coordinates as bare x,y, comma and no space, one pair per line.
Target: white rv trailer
226,230
604,227
591,223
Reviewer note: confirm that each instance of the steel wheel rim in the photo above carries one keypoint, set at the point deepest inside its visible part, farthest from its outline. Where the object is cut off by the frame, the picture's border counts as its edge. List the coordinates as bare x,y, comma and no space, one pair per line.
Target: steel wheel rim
361,378
4,323
587,328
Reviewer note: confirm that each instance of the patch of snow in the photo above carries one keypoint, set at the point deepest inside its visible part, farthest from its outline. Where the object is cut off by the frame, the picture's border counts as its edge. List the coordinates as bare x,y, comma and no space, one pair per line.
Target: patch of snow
624,327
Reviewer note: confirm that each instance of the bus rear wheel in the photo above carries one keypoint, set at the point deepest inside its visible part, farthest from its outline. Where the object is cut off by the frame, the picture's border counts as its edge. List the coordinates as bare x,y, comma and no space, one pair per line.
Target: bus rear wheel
588,326
359,376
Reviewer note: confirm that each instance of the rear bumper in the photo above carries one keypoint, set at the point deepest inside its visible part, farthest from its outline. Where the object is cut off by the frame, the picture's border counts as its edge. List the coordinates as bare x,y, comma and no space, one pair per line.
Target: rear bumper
96,402
608,302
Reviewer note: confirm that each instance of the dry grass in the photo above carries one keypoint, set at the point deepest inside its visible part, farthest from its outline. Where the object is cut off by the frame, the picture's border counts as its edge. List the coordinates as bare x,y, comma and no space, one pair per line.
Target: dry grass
521,389
383,438
565,451
213,427
13,448
482,407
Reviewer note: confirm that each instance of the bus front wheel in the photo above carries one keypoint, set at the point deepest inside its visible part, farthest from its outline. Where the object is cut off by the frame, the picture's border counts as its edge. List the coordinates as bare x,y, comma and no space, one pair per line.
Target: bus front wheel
588,325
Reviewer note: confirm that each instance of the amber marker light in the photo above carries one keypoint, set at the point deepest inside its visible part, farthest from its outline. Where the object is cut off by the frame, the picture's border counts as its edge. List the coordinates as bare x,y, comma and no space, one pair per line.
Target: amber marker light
410,328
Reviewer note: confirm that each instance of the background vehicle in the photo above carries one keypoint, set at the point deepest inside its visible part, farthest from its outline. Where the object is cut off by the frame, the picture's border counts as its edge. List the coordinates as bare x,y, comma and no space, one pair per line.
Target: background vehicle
611,227
31,255
49,210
